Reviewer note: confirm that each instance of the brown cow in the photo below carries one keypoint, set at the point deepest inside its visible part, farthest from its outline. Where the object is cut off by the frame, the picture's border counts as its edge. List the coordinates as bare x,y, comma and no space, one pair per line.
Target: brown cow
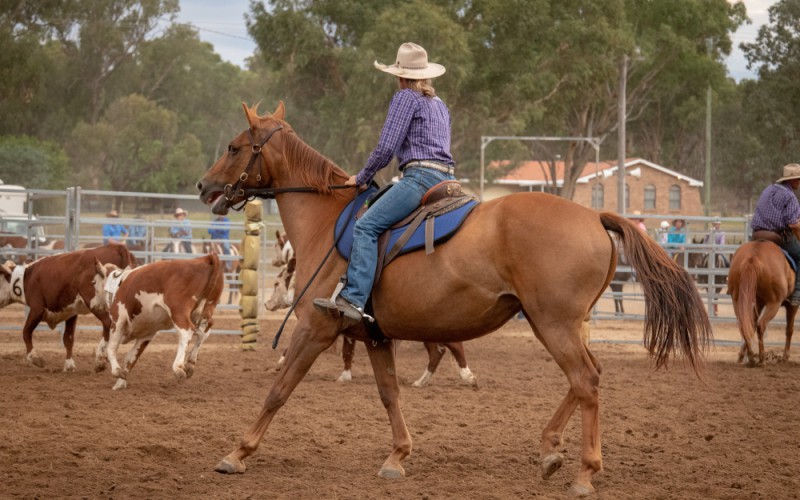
59,288
180,294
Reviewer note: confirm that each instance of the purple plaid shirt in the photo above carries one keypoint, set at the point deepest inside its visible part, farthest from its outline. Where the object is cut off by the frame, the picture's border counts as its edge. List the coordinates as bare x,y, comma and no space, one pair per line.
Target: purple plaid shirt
776,208
416,128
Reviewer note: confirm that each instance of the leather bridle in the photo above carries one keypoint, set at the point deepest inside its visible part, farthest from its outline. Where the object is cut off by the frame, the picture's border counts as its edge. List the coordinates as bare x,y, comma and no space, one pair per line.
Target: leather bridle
231,191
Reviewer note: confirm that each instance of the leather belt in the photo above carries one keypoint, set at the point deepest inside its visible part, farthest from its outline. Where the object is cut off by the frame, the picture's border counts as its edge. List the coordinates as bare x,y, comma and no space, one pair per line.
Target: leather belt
445,169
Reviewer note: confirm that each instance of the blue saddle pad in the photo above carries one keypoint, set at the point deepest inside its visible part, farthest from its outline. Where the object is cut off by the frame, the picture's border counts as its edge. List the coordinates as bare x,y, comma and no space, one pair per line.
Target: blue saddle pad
445,226
790,259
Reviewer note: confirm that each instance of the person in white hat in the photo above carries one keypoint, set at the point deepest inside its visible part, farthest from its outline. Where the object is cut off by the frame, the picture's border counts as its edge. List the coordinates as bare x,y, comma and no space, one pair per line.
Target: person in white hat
777,218
417,132
182,230
717,235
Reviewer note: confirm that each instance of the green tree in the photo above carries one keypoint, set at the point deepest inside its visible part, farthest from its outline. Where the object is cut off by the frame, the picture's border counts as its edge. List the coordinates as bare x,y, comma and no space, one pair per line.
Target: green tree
135,146
773,124
32,163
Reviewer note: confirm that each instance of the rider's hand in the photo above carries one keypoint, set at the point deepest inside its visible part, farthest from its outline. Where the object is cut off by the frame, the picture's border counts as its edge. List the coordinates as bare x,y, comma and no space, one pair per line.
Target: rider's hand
351,181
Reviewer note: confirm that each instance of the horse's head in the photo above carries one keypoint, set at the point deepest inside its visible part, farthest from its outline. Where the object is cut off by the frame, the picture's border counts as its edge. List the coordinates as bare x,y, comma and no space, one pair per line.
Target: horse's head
253,159
270,156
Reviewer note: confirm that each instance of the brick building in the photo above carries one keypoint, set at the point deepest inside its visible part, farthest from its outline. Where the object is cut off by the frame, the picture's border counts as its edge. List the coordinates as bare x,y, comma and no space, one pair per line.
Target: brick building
652,189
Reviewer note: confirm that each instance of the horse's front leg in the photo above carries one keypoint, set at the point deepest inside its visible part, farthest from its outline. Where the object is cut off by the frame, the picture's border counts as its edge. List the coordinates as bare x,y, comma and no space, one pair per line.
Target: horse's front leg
381,355
306,345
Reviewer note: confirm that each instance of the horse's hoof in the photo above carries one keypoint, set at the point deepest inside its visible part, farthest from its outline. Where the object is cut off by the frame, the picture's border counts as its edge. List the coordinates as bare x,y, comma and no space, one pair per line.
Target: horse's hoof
121,384
387,472
180,374
189,371
99,367
551,463
36,361
581,490
346,376
230,466
69,365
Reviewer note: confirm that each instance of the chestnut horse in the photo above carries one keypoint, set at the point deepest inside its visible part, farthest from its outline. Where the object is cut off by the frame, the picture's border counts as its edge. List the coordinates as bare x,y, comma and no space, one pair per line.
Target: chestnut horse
760,281
283,292
546,256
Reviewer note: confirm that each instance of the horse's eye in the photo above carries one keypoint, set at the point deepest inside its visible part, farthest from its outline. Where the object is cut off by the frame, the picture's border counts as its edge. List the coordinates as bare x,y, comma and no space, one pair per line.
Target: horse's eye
232,149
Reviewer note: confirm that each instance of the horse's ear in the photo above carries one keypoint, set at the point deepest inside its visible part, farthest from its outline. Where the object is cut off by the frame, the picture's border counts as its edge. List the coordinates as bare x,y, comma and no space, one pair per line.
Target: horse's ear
280,111
251,114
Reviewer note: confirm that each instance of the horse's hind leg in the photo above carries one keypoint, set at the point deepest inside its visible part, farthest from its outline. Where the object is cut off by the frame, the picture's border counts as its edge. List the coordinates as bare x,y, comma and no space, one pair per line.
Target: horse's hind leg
435,355
767,314
569,352
791,312
381,355
348,352
457,350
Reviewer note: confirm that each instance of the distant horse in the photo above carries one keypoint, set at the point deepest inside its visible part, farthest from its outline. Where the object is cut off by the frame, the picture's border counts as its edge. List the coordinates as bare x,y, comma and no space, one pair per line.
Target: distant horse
544,255
760,281
703,260
283,293
181,246
230,266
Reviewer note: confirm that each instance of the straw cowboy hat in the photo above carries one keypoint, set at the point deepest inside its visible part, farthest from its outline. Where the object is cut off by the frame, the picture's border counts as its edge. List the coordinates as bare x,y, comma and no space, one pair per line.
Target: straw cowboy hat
179,211
112,213
790,171
412,64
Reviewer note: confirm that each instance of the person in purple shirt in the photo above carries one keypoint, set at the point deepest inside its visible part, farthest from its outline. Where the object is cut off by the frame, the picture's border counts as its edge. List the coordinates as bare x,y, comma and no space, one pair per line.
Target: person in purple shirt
778,211
417,132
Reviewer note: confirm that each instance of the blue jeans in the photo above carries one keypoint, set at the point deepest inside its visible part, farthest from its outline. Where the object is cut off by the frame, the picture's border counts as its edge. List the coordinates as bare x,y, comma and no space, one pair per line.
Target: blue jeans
792,247
390,208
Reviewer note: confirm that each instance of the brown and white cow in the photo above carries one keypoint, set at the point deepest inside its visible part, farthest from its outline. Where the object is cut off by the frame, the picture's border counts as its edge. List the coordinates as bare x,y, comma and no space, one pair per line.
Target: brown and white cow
59,288
179,294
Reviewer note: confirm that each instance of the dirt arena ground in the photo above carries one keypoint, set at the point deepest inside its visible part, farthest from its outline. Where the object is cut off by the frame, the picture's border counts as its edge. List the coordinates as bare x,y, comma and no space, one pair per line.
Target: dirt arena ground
665,434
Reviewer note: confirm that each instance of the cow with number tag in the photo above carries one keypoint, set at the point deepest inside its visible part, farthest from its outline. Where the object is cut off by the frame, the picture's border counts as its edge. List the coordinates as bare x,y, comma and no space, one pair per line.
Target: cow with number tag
57,289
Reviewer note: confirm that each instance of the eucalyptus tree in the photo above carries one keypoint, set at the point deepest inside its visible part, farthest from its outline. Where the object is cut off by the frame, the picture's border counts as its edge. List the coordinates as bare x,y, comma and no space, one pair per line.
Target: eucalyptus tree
773,99
136,146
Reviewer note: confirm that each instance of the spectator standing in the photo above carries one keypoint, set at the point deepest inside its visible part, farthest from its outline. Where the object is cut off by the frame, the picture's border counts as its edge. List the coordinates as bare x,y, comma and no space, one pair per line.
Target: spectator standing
662,232
114,232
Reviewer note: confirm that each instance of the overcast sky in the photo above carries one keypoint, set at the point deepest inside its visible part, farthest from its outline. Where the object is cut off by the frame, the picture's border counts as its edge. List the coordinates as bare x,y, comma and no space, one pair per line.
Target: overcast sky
222,24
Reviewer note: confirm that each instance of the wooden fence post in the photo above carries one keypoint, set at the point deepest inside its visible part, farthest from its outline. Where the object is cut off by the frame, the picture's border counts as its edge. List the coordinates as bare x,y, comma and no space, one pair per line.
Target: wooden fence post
251,254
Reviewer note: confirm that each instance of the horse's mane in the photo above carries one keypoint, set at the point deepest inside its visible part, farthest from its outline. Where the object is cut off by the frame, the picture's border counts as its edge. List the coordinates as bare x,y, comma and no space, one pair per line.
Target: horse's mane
308,166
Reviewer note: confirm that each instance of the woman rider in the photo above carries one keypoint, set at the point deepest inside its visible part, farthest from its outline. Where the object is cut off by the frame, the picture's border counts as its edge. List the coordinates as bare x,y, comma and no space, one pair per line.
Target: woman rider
417,132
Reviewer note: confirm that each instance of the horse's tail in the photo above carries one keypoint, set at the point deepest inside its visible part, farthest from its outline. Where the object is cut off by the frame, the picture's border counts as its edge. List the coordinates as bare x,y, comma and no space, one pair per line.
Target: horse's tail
675,317
746,299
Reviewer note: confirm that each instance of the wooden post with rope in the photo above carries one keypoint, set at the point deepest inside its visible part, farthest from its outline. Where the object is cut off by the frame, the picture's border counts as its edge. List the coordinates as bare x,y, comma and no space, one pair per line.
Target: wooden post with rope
251,253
